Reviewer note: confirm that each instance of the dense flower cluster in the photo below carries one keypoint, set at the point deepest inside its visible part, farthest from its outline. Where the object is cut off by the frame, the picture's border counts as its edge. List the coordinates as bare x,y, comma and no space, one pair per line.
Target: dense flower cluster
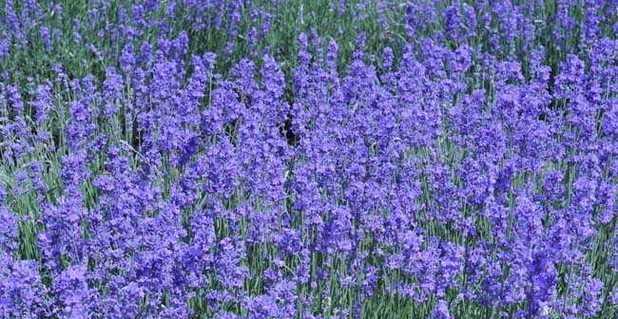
470,172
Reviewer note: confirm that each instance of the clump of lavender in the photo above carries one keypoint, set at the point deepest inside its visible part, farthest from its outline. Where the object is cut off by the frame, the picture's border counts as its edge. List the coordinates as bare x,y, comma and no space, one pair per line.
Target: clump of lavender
212,159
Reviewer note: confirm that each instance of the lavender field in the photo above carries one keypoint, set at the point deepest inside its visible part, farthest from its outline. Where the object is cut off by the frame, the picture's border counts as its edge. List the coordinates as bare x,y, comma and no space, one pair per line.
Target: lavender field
309,159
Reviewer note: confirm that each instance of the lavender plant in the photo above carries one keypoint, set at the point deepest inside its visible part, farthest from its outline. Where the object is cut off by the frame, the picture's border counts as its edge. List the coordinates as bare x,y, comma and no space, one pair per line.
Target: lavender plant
308,159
